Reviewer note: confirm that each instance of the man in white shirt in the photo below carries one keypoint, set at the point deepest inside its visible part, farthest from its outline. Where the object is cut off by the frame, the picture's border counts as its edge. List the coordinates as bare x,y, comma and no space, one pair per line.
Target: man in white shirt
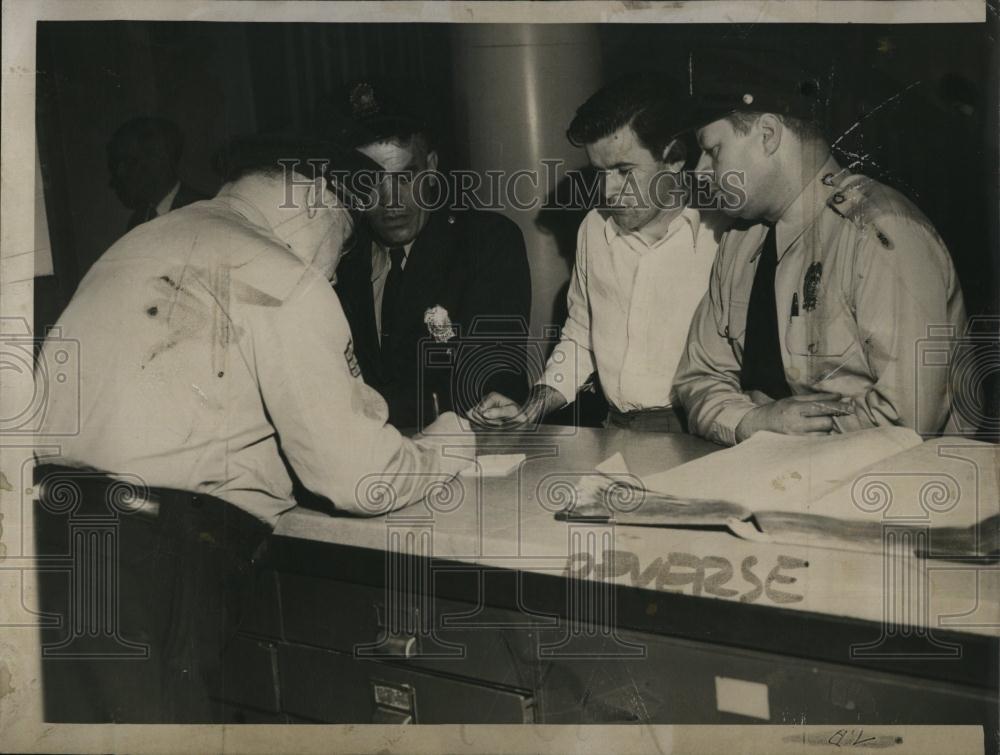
642,265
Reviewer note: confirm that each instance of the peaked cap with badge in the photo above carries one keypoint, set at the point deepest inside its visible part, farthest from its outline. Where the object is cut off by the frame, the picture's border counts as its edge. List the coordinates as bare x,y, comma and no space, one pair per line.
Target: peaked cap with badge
721,82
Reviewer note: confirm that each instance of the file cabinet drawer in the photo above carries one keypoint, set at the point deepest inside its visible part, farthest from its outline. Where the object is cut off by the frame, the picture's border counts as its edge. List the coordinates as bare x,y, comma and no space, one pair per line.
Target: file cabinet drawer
450,637
248,673
681,681
330,687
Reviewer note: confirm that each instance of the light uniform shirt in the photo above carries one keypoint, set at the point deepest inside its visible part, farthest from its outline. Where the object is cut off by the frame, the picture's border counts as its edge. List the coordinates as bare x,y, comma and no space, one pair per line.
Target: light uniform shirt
208,350
863,281
629,307
381,265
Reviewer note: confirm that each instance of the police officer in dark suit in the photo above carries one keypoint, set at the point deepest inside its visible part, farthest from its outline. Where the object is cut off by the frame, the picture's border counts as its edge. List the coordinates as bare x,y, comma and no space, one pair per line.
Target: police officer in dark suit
438,299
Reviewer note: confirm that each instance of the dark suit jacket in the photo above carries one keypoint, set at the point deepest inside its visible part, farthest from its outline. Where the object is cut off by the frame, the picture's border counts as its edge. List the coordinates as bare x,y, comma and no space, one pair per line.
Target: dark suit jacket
474,265
185,195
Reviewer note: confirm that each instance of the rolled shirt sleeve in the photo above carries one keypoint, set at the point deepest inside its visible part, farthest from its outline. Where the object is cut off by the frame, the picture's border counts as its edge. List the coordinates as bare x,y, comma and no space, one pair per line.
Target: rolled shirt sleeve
905,288
331,426
572,361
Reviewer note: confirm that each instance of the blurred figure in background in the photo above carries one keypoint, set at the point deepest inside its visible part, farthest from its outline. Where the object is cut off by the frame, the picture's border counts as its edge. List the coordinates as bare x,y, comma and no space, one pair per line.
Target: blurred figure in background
143,159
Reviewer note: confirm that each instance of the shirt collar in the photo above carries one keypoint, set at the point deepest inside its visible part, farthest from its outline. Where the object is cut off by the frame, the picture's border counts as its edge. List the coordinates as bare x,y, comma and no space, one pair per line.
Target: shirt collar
807,205
380,258
688,215
163,207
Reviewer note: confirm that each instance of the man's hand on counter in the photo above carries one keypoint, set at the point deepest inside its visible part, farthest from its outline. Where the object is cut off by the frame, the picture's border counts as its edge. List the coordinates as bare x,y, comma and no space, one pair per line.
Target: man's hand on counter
808,414
497,412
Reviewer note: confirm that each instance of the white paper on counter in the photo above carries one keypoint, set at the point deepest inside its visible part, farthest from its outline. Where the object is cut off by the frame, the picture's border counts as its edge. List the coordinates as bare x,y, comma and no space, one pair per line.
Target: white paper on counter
613,465
774,472
495,465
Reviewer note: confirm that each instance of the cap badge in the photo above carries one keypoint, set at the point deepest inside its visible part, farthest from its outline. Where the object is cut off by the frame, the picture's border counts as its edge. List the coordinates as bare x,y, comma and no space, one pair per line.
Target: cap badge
747,99
363,101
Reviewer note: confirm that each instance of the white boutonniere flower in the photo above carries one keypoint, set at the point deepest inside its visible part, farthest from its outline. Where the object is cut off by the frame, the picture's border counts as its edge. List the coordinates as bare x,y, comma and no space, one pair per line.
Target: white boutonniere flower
439,324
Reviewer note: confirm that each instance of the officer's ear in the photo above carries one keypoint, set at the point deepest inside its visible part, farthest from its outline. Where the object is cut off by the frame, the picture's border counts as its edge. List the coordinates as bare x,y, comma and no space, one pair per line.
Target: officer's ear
771,130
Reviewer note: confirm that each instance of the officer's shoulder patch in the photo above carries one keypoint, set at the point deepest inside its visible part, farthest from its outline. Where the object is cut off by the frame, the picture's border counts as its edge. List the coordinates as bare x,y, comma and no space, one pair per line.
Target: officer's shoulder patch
352,361
852,196
867,203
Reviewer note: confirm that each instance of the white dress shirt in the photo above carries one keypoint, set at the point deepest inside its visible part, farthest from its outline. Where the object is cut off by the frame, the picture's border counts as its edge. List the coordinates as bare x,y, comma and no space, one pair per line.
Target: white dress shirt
630,305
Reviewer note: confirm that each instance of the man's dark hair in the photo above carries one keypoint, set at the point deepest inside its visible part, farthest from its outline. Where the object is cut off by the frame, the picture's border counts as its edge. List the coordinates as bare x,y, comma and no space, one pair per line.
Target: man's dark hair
147,130
649,103
806,130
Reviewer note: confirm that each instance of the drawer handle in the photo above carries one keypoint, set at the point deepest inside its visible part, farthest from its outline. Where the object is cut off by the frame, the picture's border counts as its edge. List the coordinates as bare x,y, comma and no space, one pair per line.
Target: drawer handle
397,646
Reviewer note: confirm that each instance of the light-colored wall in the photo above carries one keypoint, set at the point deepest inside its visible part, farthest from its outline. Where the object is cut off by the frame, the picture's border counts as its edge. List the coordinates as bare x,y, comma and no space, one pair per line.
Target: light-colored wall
516,88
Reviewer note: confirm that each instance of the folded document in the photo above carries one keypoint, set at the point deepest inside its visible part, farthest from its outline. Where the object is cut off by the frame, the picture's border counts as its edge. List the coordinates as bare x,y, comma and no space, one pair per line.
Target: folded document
805,489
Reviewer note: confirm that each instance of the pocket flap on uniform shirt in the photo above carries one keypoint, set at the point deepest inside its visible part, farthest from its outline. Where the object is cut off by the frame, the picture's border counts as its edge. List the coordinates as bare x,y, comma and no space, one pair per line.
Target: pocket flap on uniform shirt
820,335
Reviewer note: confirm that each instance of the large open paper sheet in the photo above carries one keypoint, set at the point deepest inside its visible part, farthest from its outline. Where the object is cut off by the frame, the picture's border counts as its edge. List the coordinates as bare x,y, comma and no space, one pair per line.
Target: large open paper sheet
849,488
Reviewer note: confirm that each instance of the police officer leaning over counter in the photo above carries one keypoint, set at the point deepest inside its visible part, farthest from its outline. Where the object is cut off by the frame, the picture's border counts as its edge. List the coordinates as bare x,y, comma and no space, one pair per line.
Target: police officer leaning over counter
823,289
642,264
216,368
216,350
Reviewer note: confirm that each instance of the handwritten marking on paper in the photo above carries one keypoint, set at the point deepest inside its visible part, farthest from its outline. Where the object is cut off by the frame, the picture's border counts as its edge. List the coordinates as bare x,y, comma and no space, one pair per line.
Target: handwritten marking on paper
847,738
694,575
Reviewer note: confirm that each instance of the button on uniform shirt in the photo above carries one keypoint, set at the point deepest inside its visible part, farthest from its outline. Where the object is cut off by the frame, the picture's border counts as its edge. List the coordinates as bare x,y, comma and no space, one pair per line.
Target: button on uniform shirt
209,351
630,304
864,284
381,265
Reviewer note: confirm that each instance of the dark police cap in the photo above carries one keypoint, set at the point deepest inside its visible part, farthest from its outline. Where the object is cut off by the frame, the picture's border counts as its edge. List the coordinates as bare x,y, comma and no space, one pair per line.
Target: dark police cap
370,110
722,82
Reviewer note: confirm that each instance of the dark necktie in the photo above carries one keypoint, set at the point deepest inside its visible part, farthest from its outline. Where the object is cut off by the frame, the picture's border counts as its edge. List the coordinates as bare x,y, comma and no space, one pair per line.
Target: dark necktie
763,369
390,293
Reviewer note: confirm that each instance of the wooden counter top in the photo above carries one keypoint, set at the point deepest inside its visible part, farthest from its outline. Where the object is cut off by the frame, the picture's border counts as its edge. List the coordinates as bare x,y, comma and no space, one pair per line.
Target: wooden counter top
508,523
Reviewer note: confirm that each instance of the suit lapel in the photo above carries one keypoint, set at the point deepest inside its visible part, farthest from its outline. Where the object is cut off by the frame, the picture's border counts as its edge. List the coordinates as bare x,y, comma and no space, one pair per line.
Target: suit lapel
426,272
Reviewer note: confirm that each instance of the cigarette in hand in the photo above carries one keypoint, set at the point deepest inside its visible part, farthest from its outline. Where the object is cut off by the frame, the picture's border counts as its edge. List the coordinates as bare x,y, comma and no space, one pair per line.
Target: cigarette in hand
832,412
